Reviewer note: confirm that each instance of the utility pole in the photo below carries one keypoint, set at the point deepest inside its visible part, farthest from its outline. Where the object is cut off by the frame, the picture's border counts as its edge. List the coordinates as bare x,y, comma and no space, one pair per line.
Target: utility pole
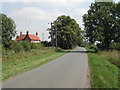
55,31
52,35
43,36
56,37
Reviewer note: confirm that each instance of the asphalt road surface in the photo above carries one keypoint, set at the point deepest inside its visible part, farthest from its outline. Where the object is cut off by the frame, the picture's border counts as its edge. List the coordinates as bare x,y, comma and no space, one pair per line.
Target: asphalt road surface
67,71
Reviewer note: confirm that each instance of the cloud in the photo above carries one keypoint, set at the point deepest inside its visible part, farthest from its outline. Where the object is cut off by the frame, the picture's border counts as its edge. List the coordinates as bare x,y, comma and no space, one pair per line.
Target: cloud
32,14
29,13
59,0
81,11
48,0
77,14
34,19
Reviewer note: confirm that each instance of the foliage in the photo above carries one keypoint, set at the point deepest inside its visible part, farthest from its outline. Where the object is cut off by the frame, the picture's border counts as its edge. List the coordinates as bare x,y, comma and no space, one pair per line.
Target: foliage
67,32
104,69
35,45
16,46
112,56
8,30
94,47
102,23
20,62
115,46
23,46
58,50
46,43
26,46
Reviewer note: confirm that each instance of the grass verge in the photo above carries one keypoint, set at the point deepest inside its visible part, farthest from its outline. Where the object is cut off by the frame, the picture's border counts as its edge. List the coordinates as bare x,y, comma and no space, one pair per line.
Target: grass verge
17,63
104,67
0,61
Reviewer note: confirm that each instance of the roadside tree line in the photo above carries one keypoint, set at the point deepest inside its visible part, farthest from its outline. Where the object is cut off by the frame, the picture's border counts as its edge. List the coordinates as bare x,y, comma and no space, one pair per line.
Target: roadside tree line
68,34
8,31
102,24
65,32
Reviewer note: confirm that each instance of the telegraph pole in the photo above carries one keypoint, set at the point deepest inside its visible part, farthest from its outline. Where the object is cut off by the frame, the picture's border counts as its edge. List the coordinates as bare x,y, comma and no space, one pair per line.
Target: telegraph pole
56,37
43,36
55,31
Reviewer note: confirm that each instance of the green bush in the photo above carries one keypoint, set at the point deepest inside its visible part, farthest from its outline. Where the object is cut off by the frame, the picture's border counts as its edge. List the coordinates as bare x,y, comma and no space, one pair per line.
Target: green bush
33,45
37,45
26,45
46,43
59,50
16,46
94,47
114,46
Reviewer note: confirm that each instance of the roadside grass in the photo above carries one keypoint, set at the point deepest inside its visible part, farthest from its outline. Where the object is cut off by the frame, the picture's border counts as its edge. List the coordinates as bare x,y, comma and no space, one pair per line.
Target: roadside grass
112,56
0,61
17,63
104,68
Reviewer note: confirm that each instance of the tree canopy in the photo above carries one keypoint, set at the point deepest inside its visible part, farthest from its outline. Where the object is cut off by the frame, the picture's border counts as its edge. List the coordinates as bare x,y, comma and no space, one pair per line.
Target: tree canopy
66,31
8,30
102,23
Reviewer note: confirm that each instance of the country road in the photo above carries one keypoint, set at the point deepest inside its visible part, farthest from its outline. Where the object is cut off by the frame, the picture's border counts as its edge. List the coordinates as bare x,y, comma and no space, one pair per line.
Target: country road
67,71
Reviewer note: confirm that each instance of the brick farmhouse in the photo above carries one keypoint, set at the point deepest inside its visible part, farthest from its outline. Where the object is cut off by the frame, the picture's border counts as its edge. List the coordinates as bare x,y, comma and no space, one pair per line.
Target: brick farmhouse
28,37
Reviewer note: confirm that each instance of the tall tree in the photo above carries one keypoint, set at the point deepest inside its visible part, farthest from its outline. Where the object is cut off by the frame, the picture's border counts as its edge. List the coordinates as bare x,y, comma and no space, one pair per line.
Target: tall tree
65,31
101,23
8,30
117,22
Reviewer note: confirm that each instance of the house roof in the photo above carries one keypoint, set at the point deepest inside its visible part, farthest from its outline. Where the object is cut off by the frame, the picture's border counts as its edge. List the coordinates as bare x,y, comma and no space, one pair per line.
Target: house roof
20,37
32,37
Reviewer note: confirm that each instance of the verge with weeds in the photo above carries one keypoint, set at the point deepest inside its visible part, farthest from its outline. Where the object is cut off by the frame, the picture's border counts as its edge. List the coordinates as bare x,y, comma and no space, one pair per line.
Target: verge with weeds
16,63
104,67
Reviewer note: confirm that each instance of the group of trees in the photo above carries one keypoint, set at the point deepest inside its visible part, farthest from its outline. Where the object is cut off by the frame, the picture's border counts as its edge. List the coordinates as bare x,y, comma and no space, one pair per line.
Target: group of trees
65,29
7,26
102,24
8,31
65,32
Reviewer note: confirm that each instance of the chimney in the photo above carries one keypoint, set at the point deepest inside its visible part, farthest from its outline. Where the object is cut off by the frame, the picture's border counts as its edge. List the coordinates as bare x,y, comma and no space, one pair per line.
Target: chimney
20,33
27,32
36,33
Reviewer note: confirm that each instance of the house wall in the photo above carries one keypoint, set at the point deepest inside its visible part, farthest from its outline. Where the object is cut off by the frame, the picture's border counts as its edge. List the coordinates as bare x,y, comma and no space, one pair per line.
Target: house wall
27,39
35,41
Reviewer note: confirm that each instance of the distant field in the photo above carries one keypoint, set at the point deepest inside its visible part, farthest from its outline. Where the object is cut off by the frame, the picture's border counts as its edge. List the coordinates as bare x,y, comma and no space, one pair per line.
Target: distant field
104,67
17,63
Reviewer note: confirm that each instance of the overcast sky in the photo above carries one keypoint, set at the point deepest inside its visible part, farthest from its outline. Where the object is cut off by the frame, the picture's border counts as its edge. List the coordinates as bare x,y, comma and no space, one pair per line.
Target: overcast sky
34,15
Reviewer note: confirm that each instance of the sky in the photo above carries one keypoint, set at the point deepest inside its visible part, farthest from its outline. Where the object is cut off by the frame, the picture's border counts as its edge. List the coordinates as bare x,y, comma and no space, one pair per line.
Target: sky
35,15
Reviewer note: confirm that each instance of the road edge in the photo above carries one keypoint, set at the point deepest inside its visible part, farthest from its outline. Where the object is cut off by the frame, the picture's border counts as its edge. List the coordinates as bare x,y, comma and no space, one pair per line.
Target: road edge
88,84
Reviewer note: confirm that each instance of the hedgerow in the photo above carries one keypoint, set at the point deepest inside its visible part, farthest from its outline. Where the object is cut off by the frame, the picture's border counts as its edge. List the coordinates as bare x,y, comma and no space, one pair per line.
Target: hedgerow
24,46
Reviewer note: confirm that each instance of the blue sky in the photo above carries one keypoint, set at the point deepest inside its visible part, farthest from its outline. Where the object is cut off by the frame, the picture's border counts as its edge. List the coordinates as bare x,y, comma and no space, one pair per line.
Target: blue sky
35,16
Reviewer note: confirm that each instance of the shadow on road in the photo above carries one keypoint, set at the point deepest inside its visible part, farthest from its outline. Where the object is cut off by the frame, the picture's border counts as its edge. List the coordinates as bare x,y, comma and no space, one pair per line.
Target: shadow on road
76,51
82,52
